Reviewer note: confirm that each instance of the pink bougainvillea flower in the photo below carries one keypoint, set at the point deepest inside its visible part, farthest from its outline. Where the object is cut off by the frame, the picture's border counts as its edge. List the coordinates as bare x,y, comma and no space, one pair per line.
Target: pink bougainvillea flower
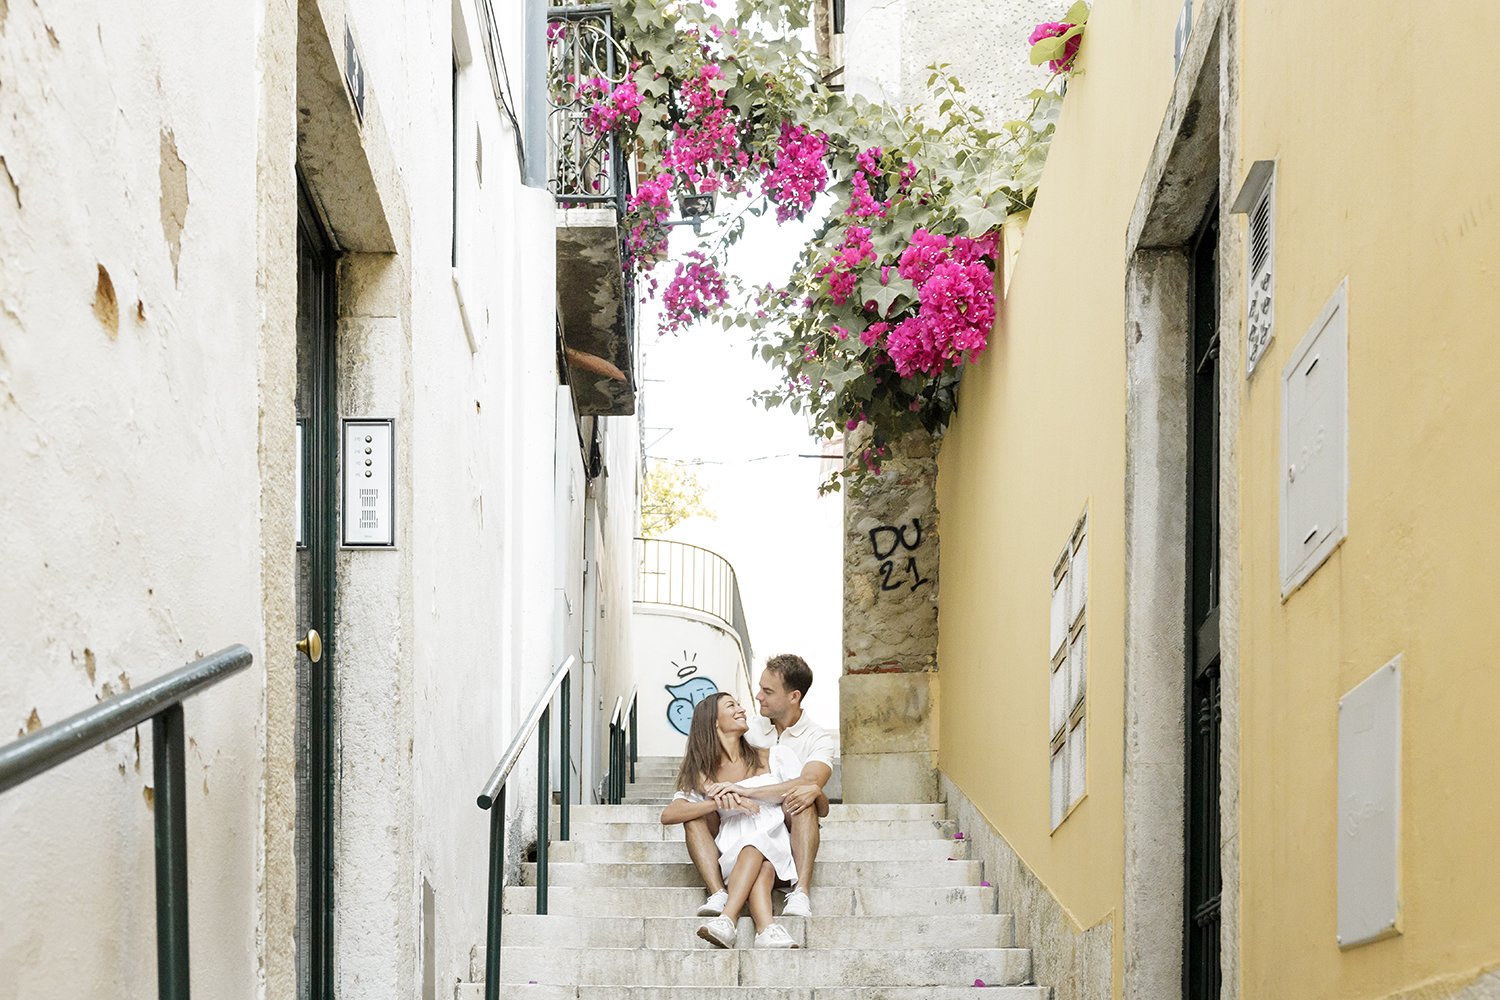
842,270
695,291
1053,29
799,173
924,253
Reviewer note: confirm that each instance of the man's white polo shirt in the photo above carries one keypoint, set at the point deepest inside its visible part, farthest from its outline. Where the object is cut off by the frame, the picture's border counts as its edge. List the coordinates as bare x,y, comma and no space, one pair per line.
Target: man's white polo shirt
806,739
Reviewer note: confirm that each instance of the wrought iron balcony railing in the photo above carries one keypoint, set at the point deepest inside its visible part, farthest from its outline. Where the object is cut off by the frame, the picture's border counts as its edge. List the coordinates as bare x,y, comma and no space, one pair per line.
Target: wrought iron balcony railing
585,61
689,576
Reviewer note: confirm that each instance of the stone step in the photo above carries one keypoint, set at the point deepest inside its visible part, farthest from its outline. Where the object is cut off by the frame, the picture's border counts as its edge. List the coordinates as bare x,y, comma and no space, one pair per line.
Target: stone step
801,968
831,849
831,873
836,813
828,900
653,831
475,991
978,930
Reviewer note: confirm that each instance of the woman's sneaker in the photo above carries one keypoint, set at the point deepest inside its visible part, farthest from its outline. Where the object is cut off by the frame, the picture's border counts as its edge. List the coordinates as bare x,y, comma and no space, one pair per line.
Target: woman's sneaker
797,904
719,932
714,905
774,936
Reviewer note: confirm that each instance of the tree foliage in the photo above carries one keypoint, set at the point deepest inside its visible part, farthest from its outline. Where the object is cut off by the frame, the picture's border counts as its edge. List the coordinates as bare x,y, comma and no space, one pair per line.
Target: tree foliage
672,494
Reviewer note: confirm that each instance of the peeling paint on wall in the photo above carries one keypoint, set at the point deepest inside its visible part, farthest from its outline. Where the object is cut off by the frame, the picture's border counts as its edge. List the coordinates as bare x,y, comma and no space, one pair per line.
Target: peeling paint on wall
33,723
149,794
174,196
15,189
106,306
89,663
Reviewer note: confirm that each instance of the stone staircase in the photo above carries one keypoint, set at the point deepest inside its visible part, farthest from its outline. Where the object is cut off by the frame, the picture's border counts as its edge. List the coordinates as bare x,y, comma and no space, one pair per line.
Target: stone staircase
900,913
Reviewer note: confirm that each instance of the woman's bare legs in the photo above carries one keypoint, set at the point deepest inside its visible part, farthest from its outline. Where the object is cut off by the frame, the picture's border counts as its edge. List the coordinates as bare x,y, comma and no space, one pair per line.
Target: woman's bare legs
760,896
742,879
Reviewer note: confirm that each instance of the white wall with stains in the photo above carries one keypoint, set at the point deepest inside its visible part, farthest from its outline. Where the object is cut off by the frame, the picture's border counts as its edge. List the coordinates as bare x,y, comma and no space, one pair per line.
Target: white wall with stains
130,533
146,474
889,45
682,656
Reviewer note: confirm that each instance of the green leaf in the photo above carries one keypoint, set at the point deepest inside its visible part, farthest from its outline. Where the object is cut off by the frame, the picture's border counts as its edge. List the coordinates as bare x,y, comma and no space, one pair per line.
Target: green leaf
885,296
1077,14
1046,50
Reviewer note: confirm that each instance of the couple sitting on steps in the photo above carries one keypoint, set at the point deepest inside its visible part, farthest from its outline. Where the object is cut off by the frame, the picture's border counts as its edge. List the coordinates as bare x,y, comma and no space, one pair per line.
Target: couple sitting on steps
749,798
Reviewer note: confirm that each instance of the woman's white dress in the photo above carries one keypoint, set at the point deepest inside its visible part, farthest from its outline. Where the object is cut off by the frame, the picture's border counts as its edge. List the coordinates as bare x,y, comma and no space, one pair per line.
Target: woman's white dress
765,830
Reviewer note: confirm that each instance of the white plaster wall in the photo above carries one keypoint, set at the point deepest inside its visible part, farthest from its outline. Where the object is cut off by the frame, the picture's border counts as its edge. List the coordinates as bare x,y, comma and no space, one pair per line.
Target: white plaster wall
687,649
132,456
890,45
482,458
130,510
619,520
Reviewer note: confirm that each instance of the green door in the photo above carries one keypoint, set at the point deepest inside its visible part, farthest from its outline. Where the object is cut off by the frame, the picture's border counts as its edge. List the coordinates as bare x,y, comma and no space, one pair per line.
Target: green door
317,441
1201,974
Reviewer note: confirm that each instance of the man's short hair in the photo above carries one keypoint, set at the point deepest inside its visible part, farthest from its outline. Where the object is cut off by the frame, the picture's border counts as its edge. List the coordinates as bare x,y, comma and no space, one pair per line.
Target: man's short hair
793,671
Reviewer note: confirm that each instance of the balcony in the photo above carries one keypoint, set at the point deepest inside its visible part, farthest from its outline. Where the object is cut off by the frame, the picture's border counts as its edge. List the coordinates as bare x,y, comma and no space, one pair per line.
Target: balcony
691,638
589,175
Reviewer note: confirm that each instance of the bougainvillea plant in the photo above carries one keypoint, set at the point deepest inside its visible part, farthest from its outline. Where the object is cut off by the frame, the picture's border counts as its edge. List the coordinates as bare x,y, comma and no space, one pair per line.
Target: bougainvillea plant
1056,43
895,292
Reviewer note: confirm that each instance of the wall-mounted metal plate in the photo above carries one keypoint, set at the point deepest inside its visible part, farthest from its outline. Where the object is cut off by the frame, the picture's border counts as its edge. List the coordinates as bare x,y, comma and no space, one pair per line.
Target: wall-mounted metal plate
354,73
1181,34
1369,809
369,483
1315,445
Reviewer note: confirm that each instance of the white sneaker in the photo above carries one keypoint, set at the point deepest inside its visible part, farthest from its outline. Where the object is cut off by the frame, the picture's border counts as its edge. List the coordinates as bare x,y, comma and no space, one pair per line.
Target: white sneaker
714,905
719,932
797,904
775,936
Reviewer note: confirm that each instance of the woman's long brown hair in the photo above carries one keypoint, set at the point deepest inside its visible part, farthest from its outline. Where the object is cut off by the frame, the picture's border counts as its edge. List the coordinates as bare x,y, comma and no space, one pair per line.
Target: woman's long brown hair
704,751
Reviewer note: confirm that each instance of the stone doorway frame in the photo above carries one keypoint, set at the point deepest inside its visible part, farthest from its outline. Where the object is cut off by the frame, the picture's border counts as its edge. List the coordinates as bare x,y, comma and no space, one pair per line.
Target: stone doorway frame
1195,156
308,124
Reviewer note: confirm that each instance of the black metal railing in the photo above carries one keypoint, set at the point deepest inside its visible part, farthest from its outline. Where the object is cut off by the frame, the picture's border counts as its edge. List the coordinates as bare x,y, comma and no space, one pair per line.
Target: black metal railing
624,748
690,576
538,722
586,163
160,702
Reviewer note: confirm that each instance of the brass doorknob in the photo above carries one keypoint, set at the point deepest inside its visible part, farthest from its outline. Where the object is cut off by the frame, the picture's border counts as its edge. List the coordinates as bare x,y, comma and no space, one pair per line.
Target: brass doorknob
311,645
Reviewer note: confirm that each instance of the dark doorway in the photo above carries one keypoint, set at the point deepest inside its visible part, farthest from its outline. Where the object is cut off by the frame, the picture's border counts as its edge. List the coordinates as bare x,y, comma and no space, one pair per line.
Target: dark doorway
317,442
1201,973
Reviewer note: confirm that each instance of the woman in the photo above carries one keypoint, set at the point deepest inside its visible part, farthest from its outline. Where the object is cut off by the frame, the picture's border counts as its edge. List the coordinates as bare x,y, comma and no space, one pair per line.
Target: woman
722,773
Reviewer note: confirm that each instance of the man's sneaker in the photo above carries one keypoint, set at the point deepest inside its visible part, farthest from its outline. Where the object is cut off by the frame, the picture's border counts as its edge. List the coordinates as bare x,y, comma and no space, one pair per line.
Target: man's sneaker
719,932
714,905
797,904
774,936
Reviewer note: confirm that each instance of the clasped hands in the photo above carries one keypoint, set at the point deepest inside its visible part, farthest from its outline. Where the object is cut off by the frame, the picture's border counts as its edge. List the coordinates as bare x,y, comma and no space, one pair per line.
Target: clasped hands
731,797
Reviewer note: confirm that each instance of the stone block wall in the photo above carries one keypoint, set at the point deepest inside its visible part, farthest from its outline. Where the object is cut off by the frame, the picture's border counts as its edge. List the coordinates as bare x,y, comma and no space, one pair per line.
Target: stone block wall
888,692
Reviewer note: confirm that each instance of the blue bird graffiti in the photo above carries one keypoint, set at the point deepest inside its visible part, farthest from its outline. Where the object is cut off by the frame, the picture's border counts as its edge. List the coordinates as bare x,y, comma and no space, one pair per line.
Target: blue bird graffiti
685,698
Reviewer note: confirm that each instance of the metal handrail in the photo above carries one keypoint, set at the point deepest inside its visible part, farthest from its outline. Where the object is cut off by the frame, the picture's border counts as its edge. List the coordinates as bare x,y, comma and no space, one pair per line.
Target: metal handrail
722,602
160,701
624,747
518,743
492,798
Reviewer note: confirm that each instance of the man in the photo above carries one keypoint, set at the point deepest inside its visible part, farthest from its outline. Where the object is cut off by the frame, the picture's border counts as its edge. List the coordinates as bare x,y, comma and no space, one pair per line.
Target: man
783,685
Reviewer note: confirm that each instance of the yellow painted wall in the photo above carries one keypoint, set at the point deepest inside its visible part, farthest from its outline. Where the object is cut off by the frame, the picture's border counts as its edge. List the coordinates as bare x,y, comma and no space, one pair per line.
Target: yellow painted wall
1382,117
1040,435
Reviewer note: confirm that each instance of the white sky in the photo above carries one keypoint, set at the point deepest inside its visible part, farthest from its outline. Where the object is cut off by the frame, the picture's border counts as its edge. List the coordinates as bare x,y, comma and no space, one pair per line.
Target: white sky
784,541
